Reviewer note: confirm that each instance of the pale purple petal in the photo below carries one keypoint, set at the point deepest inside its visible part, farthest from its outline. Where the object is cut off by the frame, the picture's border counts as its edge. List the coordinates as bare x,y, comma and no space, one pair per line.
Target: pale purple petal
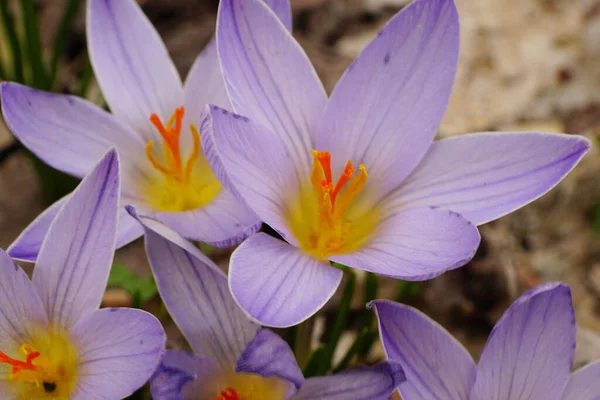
385,110
484,176
132,64
27,246
358,383
204,83
128,228
283,9
223,222
67,132
119,350
269,77
75,258
252,164
277,284
436,365
530,351
195,292
20,306
584,384
269,355
179,371
416,244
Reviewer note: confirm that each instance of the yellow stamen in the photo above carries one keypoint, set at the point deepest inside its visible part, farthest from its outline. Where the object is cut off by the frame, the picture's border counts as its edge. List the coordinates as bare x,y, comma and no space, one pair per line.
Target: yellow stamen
49,369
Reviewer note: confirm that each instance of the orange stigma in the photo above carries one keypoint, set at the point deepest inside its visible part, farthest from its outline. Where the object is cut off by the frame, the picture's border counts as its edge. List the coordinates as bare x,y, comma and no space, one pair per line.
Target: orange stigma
17,365
332,202
228,394
174,166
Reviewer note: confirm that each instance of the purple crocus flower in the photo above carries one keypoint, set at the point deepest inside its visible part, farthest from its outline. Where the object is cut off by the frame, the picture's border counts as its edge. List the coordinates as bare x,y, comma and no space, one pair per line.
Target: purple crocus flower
528,355
54,341
153,126
356,178
233,358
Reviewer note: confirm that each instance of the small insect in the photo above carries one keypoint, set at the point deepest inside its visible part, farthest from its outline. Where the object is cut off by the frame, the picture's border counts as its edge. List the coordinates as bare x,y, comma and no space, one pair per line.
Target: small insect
49,387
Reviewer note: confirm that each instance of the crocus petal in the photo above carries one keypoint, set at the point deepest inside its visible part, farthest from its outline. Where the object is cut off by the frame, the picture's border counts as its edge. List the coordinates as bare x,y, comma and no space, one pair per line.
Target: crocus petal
119,349
485,176
269,355
21,308
584,384
178,369
132,64
417,244
385,110
359,383
27,246
75,258
530,351
223,222
269,77
436,365
277,284
252,164
195,292
67,132
204,83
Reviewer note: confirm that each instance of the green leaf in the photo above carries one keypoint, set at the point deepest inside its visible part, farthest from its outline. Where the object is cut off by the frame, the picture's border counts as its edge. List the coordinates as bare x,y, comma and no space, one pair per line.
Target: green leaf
141,289
86,78
62,34
8,23
339,325
314,362
34,48
597,218
356,346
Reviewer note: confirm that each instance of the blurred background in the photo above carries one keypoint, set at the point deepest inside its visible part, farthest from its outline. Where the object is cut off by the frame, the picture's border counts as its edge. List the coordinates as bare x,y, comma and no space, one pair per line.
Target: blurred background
524,65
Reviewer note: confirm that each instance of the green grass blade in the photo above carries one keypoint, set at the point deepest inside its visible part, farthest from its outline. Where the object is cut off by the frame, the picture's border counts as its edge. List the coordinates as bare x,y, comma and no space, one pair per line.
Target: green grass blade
339,325
34,47
8,22
62,35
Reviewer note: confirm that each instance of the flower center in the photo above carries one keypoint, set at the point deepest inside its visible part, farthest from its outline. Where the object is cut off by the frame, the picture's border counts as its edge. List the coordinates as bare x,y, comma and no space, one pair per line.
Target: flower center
179,185
328,219
227,385
46,368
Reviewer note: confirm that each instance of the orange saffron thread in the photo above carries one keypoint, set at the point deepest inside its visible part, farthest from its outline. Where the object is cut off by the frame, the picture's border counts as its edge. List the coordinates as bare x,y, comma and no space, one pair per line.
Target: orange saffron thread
228,394
171,135
18,365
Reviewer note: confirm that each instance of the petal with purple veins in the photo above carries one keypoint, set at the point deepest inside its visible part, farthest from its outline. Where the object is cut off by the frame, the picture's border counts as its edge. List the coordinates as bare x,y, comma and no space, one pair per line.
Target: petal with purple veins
416,244
269,77
195,292
584,384
530,350
269,355
358,383
75,258
386,108
436,365
277,284
484,176
252,164
119,350
66,132
132,64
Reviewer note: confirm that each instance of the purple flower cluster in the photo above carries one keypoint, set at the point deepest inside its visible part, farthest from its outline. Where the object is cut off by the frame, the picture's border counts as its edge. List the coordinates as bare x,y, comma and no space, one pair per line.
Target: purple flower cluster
251,137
